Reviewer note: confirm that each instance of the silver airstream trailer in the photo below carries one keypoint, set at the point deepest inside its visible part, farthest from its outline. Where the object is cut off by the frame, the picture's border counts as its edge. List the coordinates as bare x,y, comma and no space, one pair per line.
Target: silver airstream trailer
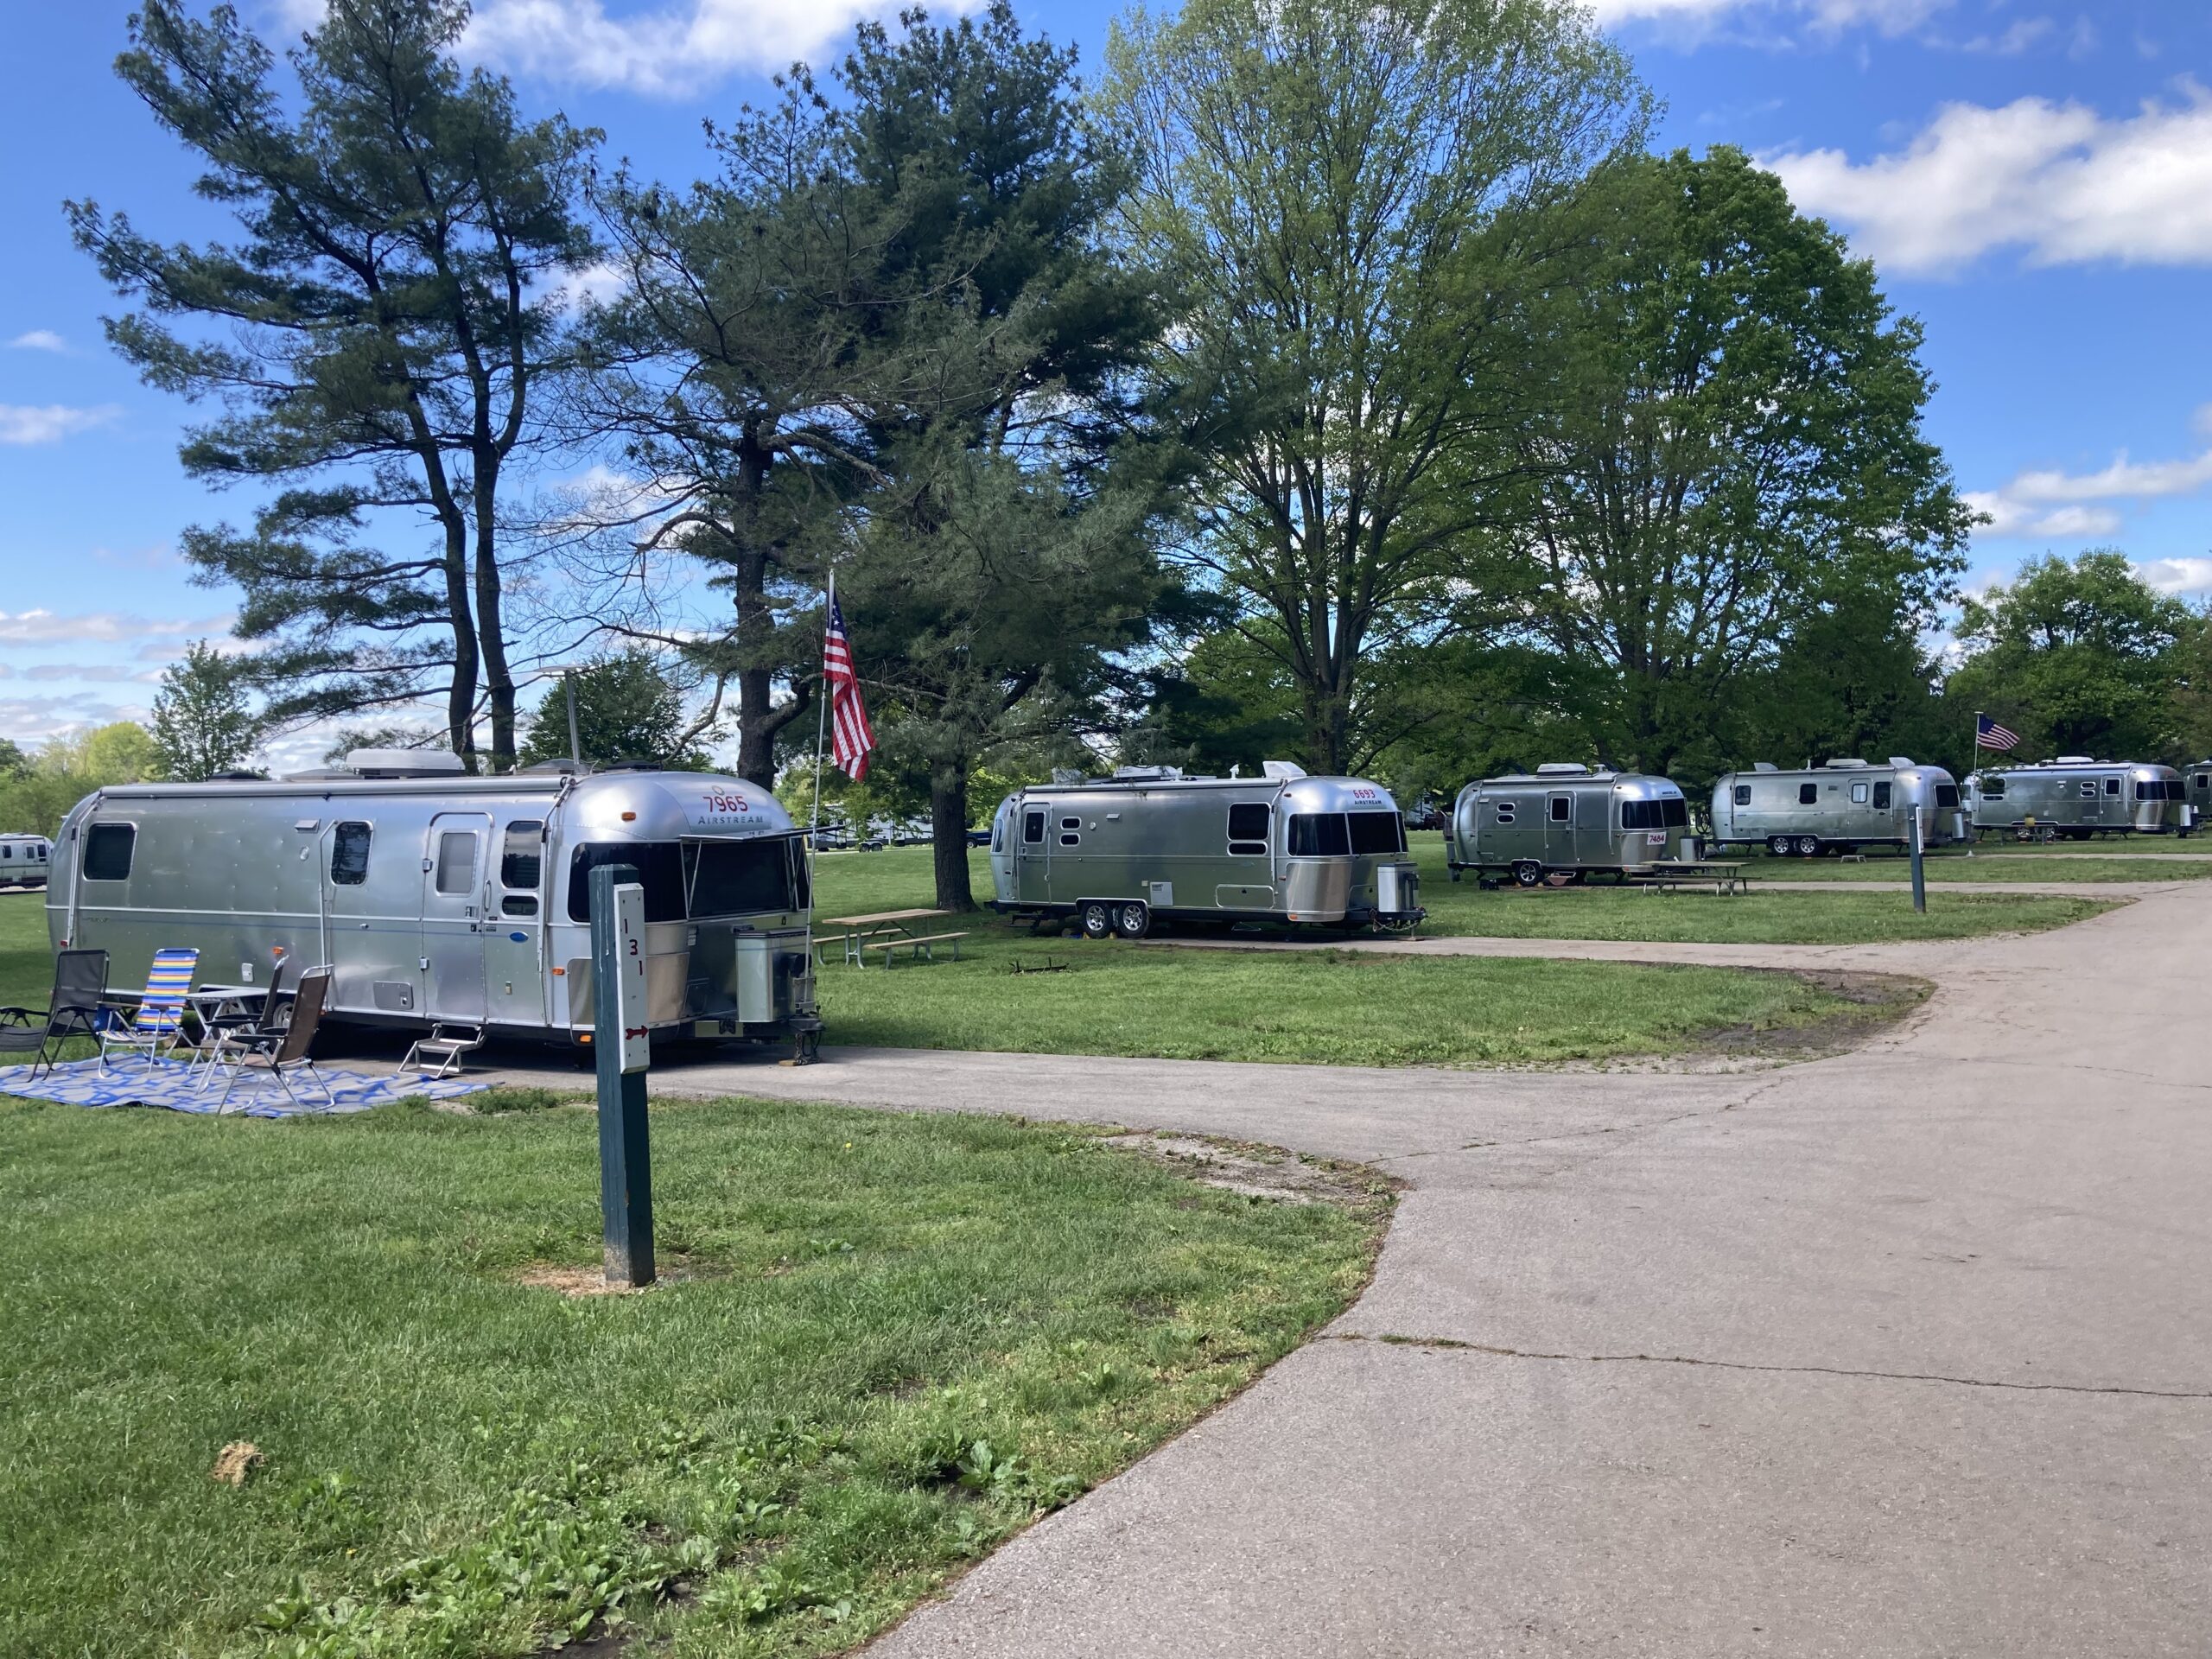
1149,843
437,897
2074,798
2197,783
24,861
1838,806
1566,818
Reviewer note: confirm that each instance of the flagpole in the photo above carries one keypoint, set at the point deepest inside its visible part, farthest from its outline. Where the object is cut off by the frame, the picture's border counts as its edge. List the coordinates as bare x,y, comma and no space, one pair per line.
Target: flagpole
821,711
1975,766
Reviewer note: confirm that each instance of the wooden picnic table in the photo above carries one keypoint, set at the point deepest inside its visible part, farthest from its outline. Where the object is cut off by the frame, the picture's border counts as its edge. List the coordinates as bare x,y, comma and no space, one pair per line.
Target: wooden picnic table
879,927
1727,876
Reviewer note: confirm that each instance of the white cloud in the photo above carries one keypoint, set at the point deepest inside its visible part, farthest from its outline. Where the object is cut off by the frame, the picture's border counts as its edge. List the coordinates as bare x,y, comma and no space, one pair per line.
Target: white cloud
47,423
43,627
2176,575
37,719
2059,181
1827,17
2063,506
670,52
38,340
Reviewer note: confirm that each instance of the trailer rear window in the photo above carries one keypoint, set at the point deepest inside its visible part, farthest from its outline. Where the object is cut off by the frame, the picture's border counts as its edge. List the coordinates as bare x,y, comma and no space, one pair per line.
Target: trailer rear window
1320,834
1375,833
107,851
2158,789
660,871
349,852
1947,797
1672,813
723,878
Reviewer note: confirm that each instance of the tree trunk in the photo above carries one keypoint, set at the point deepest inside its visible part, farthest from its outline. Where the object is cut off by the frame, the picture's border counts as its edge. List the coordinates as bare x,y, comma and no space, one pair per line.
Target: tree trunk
759,722
460,693
490,630
949,833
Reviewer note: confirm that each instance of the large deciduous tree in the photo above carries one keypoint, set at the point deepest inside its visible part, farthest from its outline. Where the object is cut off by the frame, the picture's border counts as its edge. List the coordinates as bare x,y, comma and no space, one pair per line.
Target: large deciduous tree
386,315
1727,449
1350,202
204,723
2080,657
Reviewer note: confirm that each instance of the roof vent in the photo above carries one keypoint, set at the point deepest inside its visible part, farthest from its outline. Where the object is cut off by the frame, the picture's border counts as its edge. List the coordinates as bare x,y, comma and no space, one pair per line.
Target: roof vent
1146,774
1281,770
1900,759
403,763
564,766
1562,769
1837,763
2076,760
1764,765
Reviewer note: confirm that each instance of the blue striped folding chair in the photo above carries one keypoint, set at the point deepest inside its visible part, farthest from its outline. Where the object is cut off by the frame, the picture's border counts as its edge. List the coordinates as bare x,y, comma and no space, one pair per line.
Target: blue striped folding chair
159,1019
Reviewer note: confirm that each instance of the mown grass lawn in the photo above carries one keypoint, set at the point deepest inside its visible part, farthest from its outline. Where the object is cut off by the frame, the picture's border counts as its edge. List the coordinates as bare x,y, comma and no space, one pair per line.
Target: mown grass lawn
887,1343
1948,867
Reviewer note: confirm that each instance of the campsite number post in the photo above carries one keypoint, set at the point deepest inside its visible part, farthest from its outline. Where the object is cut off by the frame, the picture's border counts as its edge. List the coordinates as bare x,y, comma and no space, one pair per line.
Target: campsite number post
622,1042
1919,876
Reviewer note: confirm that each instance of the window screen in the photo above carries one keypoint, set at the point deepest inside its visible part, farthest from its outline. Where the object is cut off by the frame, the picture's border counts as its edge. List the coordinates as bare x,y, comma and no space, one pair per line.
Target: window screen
349,852
1375,833
456,862
1882,797
1562,809
522,852
1320,834
107,851
1809,794
1743,794
1247,828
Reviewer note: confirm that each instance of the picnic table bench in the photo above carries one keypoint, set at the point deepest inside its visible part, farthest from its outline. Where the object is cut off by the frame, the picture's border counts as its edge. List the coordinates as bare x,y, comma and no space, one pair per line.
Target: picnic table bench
921,945
878,930
1727,877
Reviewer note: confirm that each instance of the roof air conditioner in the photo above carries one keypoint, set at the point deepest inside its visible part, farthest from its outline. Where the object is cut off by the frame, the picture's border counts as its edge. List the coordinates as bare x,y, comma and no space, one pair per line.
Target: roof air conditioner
1562,769
403,763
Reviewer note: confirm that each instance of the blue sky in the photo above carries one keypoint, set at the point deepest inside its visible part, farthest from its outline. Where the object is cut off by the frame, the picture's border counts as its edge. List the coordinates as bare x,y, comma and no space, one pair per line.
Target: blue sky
2035,182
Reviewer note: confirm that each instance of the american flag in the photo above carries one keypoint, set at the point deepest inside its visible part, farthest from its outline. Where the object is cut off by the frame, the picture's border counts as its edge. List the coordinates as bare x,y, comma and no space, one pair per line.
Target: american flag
1988,734
850,736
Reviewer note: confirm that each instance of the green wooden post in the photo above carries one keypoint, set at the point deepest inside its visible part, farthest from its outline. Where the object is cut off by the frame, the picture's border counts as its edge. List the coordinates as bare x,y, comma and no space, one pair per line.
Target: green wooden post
625,1175
1919,878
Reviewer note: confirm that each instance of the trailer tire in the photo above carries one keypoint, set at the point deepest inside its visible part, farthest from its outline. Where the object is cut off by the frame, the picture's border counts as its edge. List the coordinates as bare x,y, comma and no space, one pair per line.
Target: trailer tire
1132,920
1808,846
1096,918
1528,873
1780,846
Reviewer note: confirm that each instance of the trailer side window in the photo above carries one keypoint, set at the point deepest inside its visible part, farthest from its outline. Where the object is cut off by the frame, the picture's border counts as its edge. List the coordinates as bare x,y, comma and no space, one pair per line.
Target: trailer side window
522,858
1859,794
1032,828
1992,789
1562,809
2111,785
1070,832
1374,833
1809,794
1743,794
1320,834
456,860
349,852
1882,797
1247,829
107,851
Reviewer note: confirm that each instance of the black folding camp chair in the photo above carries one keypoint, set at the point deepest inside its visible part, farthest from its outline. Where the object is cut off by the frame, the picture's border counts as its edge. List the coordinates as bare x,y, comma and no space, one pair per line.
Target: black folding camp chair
79,983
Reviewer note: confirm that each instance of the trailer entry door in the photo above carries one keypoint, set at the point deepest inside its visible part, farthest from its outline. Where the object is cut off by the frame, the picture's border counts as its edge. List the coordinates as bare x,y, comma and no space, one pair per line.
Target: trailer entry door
453,917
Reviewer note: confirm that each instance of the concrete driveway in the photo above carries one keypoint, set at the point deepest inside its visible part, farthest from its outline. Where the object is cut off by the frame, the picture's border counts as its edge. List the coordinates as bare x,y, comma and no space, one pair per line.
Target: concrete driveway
1907,1352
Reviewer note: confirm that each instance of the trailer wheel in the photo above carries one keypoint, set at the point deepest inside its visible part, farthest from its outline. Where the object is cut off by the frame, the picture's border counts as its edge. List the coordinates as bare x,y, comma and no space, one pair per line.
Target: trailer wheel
1133,920
1528,873
1097,918
1808,846
1779,845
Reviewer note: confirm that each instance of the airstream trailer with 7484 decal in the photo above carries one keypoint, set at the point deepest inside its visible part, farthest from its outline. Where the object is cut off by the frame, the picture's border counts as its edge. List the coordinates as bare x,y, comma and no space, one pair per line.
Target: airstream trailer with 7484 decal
1149,843
1566,819
436,897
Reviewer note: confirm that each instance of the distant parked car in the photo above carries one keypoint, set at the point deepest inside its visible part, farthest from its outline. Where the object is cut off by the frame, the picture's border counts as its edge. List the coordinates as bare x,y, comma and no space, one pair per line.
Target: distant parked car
979,837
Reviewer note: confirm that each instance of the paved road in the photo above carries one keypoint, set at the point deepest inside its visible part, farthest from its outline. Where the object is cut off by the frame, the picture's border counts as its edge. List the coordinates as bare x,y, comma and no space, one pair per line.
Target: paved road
1908,1351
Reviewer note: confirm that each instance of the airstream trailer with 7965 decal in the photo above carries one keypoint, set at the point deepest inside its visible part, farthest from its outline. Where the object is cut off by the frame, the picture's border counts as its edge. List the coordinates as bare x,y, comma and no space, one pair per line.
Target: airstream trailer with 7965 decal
436,897
1148,844
1565,819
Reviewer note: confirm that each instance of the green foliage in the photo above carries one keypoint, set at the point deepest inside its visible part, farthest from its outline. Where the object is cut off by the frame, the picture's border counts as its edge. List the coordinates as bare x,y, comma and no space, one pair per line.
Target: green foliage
203,722
70,767
2080,657
1727,461
1349,205
627,708
374,334
14,763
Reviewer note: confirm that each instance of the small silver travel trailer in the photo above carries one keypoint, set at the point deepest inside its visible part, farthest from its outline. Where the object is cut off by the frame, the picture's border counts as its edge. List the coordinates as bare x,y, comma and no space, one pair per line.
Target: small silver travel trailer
1567,818
1838,806
2196,784
1148,844
24,861
437,897
2074,797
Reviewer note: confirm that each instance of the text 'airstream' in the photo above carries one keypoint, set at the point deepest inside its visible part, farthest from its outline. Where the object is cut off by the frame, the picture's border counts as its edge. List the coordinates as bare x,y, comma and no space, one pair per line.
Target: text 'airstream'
1566,819
1839,806
437,897
2074,797
1116,853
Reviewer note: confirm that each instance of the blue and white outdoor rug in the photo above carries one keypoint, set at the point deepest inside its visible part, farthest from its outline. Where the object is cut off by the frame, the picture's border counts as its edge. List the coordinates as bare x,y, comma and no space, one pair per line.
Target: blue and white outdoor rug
174,1085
